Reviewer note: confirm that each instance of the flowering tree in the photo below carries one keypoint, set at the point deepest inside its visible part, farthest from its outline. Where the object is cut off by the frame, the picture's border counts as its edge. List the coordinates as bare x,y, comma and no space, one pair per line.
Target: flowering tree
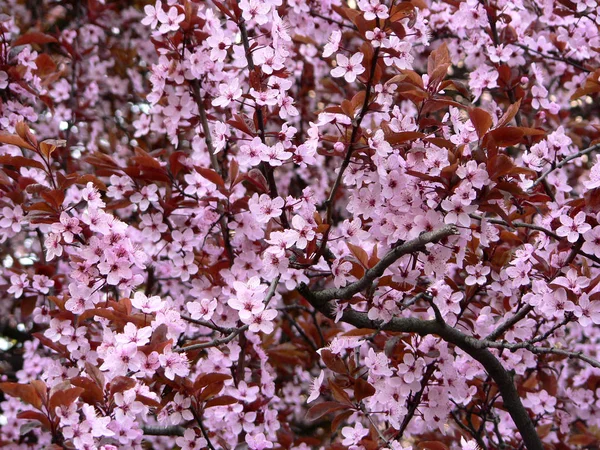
299,224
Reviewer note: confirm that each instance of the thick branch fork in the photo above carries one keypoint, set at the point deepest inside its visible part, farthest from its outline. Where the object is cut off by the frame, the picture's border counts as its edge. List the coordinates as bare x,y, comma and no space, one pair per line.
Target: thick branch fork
477,349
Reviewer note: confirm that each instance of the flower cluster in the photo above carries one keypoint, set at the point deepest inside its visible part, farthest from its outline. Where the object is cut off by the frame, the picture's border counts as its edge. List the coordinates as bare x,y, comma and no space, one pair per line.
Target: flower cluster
303,224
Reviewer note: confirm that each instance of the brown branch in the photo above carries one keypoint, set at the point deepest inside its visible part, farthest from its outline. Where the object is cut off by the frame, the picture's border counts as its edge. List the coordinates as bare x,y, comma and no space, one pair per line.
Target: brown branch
166,431
576,250
266,169
203,429
586,151
214,342
415,401
475,348
207,324
195,85
564,59
346,162
322,297
235,331
509,323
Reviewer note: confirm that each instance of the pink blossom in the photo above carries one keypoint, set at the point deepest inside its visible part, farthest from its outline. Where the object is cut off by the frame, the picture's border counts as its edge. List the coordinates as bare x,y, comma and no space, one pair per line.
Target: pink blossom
315,388
587,311
146,304
262,321
174,364
353,435
229,92
204,309
258,441
333,43
12,218
68,227
264,208
573,227
169,20
190,441
477,274
349,68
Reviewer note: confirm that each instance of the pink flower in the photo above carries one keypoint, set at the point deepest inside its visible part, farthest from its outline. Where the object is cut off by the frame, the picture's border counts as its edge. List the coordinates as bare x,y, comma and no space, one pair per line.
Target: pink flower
115,268
275,155
190,441
170,20
145,365
315,387
264,208
145,196
573,281
146,304
572,228
348,68
556,303
592,241
12,218
247,305
42,283
68,227
174,364
258,441
263,321
131,334
53,247
373,9
519,273
152,14
333,43
302,232
341,272
587,311
229,92
477,274
58,329
378,364
82,298
91,195
18,283
202,310
379,144
353,435
594,180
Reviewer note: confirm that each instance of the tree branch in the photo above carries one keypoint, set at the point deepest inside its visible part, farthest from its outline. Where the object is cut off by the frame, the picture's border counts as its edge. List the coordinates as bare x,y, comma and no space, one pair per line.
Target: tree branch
473,347
266,169
324,296
166,431
586,151
195,85
214,342
509,323
346,162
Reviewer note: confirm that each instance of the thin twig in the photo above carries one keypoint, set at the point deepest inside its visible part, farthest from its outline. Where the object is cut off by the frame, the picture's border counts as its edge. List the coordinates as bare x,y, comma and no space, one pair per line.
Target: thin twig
586,151
346,162
196,86
565,59
214,342
509,323
266,169
163,431
415,401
